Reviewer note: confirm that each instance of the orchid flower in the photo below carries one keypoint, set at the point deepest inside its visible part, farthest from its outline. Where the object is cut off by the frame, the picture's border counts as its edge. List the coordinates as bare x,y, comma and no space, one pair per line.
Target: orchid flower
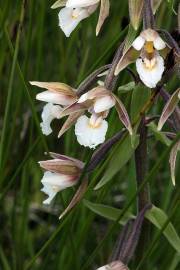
147,50
116,265
57,93
60,173
91,131
74,11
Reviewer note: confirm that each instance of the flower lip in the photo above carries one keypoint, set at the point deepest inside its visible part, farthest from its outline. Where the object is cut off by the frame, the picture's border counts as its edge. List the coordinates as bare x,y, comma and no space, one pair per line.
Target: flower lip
150,72
54,182
90,134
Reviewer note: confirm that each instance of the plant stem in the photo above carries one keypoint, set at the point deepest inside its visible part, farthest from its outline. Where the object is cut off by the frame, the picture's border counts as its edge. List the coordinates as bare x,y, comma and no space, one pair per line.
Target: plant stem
143,197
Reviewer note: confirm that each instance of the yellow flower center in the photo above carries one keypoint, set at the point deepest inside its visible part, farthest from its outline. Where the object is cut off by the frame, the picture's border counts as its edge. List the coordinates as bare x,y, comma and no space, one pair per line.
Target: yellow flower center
149,48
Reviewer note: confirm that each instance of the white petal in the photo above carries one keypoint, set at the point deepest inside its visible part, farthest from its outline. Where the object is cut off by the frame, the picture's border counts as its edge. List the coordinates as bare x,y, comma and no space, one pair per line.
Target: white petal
53,183
90,136
69,18
83,98
159,44
150,77
81,3
49,113
55,98
103,104
138,43
149,34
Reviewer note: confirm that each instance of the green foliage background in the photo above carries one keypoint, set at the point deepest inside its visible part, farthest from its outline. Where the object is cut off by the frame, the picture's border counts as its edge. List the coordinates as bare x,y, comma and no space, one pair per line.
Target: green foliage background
26,226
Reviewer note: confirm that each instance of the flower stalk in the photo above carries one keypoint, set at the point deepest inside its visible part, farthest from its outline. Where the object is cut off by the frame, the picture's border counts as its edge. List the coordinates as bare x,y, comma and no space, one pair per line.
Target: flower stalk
144,195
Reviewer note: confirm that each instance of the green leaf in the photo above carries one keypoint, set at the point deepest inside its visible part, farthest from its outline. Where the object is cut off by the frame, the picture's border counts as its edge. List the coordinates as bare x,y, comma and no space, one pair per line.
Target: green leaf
158,217
140,96
126,87
160,136
108,212
120,157
155,215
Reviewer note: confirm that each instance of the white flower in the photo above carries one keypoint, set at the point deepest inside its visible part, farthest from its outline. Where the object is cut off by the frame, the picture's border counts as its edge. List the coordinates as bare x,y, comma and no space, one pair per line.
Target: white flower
151,39
102,99
91,132
77,10
74,13
148,47
150,65
56,93
69,18
49,113
116,265
81,3
54,182
103,104
150,71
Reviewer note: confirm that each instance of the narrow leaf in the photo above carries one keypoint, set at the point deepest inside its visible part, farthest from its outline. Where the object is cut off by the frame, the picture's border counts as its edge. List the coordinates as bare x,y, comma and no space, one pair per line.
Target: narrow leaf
159,135
108,212
120,157
126,88
104,13
140,96
135,12
157,217
169,108
172,160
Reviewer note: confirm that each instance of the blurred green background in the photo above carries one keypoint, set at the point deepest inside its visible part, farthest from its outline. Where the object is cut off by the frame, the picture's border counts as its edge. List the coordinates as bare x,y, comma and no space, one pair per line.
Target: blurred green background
46,54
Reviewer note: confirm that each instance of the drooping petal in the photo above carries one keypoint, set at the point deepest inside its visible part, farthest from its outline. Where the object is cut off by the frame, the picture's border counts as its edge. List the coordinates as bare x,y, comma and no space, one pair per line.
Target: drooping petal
56,98
104,13
169,108
81,3
69,18
88,135
123,115
70,121
49,113
53,183
116,265
138,43
76,198
150,76
103,104
128,58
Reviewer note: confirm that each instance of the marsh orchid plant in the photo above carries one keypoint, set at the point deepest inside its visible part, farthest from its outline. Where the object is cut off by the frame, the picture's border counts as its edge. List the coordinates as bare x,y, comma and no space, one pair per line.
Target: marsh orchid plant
88,106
